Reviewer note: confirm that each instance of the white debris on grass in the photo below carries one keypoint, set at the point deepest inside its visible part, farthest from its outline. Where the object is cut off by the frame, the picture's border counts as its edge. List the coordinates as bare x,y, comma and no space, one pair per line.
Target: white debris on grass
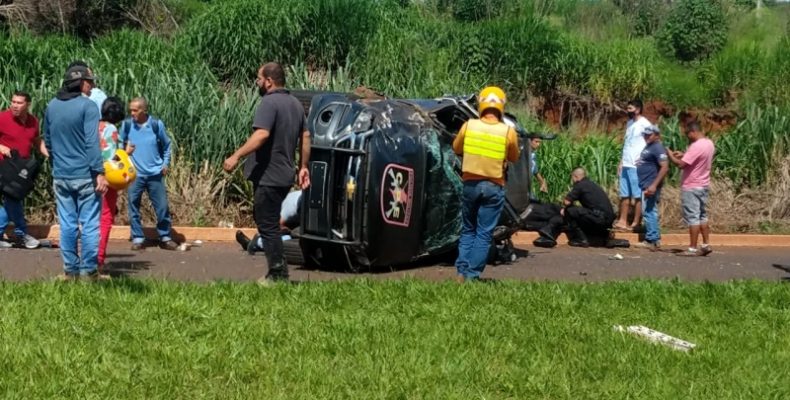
657,337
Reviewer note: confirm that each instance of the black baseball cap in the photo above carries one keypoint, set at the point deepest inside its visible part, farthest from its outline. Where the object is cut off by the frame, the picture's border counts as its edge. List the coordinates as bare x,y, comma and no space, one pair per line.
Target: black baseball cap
78,72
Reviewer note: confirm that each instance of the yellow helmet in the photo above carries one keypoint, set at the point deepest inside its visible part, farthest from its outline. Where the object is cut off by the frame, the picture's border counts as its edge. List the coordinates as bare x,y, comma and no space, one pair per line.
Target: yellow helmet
119,170
492,97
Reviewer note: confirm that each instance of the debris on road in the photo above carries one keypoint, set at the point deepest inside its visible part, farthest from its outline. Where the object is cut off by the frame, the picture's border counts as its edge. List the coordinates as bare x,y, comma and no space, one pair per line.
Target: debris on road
617,256
783,267
657,337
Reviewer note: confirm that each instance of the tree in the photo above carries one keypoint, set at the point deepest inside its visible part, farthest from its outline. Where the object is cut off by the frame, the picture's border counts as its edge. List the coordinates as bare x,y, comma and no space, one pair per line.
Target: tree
694,30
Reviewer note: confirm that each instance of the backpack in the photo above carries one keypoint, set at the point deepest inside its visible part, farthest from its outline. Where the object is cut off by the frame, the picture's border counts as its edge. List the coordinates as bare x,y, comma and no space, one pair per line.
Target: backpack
126,127
18,175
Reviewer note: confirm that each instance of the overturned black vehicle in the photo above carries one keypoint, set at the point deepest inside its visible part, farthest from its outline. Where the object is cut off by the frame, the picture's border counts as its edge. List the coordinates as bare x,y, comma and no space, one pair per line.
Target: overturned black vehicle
386,185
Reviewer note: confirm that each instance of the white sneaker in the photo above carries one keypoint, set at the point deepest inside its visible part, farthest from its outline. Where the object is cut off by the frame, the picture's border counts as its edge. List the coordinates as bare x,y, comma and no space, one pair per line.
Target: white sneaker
30,242
5,245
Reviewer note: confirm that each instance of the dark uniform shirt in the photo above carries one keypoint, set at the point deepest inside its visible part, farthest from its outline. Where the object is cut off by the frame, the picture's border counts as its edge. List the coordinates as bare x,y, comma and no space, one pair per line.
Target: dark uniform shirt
649,164
591,196
273,163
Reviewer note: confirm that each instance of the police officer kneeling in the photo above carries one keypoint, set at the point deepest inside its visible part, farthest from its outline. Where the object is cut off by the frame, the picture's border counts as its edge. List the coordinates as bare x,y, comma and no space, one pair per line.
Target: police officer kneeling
585,224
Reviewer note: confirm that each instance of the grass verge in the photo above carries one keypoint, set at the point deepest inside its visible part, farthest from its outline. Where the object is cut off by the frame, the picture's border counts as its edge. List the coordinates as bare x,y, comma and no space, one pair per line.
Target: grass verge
401,339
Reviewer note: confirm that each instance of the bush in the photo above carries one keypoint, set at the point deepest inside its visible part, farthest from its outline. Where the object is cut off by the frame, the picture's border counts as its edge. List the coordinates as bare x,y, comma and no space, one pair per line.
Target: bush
472,10
646,16
694,30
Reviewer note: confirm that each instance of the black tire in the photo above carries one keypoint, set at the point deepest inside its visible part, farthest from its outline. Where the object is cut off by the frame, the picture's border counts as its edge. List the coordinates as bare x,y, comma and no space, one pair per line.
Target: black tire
306,98
293,252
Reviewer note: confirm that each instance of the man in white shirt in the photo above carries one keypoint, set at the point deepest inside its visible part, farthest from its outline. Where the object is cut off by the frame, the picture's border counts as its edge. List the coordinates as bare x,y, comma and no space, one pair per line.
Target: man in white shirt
633,144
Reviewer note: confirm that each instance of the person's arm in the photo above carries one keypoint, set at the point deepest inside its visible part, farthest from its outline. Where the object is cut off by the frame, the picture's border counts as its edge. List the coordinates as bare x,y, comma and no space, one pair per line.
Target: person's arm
572,196
92,150
46,133
262,125
167,147
662,172
677,158
42,148
254,142
543,187
304,172
458,142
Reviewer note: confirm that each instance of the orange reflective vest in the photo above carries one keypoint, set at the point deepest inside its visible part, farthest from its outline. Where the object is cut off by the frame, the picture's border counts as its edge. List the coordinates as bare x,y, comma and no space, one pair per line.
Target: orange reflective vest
485,148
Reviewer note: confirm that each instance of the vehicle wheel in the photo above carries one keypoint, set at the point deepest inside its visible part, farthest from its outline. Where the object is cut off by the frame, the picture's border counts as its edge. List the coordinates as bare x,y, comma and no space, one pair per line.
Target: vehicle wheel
293,252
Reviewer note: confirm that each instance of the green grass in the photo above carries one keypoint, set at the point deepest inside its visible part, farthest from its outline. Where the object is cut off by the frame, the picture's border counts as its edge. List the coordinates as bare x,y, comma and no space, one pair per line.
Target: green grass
401,339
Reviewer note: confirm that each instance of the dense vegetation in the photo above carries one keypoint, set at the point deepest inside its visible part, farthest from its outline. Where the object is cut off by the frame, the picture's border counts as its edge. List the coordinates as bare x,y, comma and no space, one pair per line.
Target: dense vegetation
577,60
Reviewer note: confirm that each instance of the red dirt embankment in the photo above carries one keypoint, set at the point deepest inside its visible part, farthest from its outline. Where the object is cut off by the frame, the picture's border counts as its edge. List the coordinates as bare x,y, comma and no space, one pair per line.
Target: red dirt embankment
588,115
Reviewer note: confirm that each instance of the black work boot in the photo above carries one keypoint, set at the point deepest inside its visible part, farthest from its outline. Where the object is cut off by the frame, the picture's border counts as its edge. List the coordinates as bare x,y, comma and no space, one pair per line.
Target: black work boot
242,240
577,238
546,239
252,246
278,269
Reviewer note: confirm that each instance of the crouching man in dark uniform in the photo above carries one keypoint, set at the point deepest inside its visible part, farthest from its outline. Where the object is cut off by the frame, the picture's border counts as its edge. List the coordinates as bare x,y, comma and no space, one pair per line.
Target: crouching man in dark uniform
585,224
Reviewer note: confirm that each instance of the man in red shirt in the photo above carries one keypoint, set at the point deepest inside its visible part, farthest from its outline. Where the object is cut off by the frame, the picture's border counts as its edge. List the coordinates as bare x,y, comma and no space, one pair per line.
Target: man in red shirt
18,131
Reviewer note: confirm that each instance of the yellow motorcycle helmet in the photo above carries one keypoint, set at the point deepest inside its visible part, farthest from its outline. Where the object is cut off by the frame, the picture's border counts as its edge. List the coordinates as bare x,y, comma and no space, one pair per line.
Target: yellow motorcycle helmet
492,97
119,170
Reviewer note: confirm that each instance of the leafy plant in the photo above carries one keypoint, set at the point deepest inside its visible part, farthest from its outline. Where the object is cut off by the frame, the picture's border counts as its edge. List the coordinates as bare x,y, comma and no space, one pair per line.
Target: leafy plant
694,30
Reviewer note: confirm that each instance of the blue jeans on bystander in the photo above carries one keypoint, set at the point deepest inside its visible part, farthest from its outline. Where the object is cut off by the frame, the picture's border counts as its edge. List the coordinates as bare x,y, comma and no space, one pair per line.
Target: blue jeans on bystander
482,203
79,206
13,210
650,215
155,186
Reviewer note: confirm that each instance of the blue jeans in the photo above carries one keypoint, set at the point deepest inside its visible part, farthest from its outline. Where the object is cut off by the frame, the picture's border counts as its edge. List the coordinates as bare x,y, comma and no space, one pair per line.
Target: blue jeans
14,211
482,203
650,214
78,206
155,186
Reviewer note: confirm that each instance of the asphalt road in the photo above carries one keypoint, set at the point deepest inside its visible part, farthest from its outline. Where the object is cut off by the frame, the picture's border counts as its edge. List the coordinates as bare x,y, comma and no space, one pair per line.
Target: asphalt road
227,262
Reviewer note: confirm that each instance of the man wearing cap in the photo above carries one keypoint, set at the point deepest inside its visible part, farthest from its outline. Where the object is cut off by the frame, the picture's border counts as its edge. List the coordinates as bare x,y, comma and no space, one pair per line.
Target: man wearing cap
651,168
96,95
71,134
486,144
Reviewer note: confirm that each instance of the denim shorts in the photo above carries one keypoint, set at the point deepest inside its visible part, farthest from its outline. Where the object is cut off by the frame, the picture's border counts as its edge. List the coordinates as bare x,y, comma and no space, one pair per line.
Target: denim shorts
694,203
629,184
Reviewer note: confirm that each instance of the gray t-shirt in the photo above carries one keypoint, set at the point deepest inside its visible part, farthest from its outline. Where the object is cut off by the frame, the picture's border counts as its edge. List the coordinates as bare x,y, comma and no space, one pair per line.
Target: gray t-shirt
273,163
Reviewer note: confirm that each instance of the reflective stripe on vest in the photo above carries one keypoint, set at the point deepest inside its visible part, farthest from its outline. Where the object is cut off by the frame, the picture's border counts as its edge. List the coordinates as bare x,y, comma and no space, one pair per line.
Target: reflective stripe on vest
485,147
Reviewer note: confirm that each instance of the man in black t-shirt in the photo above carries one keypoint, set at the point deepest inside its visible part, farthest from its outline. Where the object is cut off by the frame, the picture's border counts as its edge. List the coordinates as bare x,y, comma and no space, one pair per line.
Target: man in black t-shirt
651,168
593,217
278,127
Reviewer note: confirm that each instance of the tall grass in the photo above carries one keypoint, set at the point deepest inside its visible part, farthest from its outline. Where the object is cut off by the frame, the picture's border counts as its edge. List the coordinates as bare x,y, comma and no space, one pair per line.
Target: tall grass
235,37
750,153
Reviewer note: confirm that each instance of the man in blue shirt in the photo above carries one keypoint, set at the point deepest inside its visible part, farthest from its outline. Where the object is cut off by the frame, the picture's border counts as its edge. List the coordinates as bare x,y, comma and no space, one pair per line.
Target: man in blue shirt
71,135
534,164
651,168
147,142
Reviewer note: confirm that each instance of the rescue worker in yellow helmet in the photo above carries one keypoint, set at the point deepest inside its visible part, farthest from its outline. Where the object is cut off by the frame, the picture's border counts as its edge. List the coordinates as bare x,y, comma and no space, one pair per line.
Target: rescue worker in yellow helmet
486,144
